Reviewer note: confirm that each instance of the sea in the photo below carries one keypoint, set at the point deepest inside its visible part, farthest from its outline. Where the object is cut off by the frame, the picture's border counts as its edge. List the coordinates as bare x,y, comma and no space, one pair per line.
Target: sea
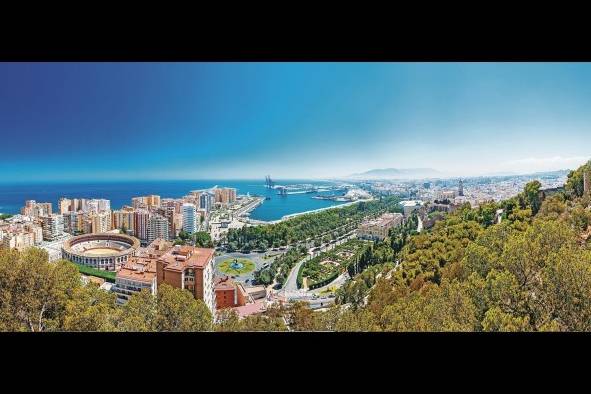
13,196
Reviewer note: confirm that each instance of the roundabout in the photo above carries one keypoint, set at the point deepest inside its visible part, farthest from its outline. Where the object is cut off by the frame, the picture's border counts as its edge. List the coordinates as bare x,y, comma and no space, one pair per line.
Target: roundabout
236,266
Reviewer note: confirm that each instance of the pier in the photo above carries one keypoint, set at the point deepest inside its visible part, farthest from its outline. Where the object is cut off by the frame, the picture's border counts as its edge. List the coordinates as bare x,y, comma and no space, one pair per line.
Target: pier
249,207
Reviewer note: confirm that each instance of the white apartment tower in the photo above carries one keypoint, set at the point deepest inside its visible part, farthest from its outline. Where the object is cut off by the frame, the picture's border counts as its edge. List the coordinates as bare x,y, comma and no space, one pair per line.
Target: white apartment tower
53,226
158,228
189,212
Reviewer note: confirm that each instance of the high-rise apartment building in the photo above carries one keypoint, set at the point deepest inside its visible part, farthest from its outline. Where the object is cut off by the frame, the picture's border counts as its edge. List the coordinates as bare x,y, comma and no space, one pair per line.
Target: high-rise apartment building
189,218
144,202
53,227
101,221
177,224
78,204
64,205
206,201
158,228
196,194
36,209
98,205
141,223
124,218
70,221
225,196
461,188
190,268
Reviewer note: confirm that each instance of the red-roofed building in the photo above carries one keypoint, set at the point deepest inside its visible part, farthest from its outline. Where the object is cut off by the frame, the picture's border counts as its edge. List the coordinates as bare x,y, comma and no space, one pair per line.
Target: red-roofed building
229,294
251,309
190,268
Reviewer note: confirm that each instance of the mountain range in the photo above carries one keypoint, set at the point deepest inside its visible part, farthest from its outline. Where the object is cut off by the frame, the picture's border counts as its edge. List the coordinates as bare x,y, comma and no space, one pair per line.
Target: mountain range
398,173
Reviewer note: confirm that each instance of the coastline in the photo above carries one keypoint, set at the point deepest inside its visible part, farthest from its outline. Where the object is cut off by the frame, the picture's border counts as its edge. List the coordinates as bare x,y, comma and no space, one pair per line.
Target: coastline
293,215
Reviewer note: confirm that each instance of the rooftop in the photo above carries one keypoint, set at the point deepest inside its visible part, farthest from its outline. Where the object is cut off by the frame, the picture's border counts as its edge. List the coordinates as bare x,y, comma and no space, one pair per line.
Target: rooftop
181,257
224,283
157,248
139,269
251,309
384,220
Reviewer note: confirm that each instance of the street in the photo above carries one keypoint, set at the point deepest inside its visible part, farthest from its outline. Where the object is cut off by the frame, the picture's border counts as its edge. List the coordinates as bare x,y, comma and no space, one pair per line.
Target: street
291,282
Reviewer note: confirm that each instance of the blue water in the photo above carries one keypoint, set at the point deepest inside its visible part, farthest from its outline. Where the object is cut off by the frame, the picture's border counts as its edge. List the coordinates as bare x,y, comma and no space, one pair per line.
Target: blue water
13,196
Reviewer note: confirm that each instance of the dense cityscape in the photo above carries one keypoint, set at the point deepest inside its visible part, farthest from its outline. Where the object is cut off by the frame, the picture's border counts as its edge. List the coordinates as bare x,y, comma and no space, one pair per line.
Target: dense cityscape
334,197
184,243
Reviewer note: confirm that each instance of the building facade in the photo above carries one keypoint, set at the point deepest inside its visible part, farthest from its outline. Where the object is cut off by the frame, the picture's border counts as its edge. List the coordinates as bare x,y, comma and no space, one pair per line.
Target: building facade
377,229
141,223
36,209
136,274
230,294
189,218
100,222
206,201
124,218
53,227
190,268
145,202
158,228
225,196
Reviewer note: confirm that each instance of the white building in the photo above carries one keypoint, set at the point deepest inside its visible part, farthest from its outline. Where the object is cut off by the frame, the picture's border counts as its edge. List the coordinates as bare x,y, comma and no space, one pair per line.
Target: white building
54,248
158,228
101,221
137,274
18,241
98,205
53,227
189,212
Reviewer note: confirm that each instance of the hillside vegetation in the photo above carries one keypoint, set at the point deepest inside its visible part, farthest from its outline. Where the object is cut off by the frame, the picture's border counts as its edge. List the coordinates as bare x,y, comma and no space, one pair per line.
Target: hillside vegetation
531,272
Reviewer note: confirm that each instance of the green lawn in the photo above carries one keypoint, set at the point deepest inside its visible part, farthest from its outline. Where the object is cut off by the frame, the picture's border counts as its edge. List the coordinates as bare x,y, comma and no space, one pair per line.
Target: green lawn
246,266
109,276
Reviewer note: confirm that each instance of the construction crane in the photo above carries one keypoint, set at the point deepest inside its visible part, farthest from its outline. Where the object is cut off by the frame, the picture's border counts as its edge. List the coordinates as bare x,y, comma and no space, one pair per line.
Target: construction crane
269,183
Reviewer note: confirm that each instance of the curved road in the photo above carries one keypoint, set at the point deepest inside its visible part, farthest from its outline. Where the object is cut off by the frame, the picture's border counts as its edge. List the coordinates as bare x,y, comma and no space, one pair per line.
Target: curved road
291,282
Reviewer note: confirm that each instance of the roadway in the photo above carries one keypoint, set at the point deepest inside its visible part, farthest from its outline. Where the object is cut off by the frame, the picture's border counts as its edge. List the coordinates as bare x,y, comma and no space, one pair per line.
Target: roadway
290,284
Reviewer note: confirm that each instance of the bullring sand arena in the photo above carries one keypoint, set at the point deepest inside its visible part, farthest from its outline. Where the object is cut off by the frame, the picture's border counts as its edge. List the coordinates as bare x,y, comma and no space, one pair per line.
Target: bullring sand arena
104,251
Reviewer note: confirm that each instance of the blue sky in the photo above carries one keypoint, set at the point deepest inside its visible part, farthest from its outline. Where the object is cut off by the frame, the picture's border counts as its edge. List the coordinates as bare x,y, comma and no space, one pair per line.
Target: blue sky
102,121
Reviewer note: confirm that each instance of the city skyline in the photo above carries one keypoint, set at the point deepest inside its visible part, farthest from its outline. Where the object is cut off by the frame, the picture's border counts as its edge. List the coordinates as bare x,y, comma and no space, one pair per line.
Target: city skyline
158,121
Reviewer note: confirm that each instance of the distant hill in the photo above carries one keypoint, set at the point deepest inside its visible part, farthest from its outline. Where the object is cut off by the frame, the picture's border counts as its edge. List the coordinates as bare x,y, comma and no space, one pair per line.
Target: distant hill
398,173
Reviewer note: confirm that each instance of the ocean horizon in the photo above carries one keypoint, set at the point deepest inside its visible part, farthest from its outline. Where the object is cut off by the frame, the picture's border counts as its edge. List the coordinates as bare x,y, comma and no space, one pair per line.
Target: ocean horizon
120,192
